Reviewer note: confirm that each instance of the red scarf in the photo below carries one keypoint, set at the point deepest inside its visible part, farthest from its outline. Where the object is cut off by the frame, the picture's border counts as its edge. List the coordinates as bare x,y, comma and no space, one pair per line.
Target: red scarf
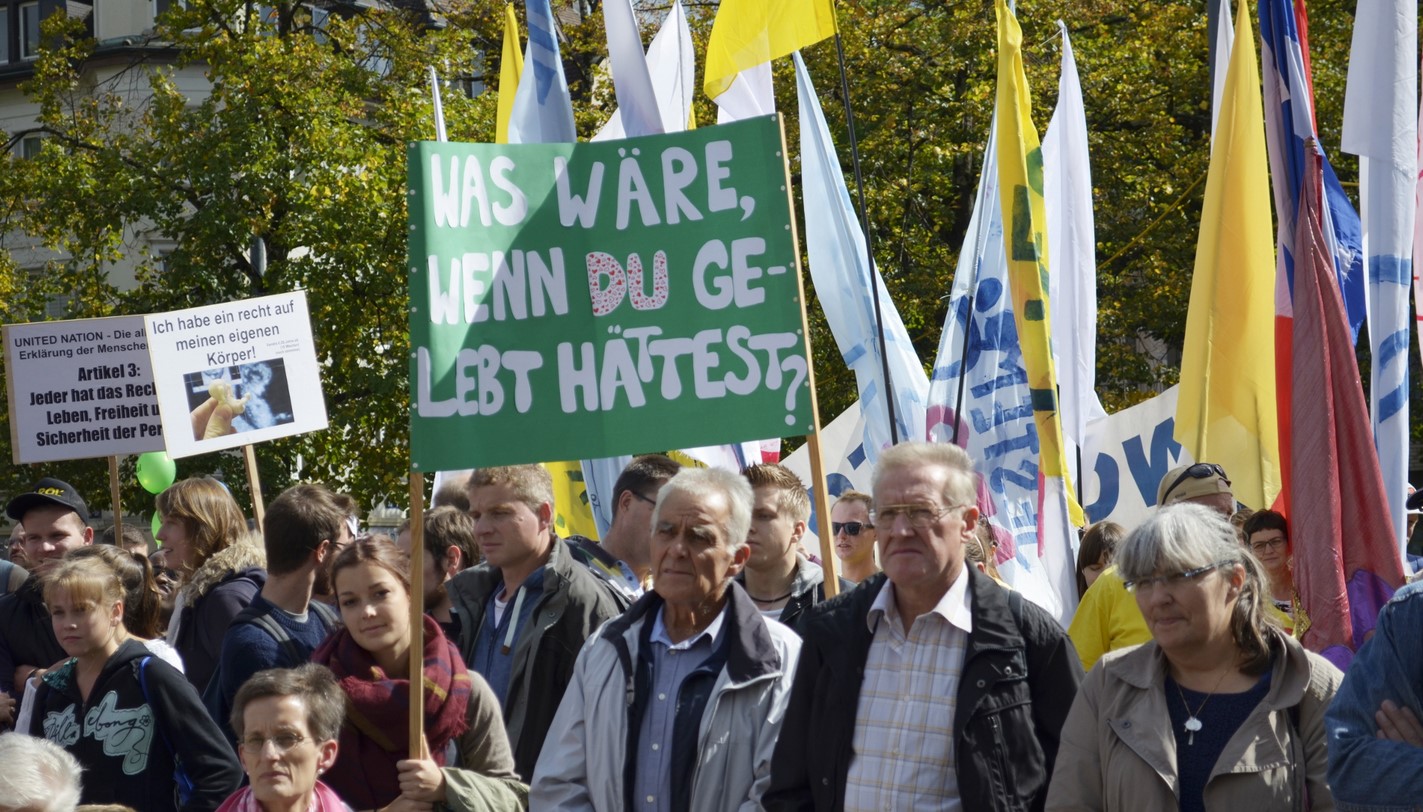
376,734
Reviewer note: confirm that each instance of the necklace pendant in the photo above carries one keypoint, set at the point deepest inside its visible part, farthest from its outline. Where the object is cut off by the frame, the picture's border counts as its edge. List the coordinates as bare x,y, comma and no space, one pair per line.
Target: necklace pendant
1192,725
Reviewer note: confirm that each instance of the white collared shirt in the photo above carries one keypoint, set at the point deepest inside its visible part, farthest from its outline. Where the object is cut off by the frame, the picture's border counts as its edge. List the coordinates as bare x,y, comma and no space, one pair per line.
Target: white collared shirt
903,749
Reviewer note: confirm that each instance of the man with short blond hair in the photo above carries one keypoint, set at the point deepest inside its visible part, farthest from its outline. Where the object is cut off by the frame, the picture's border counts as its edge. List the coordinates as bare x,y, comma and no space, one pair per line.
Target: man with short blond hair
929,686
853,529
780,580
526,611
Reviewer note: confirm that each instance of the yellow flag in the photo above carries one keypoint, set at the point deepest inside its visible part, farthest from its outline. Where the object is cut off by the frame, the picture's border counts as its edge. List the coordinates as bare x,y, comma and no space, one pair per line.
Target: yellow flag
572,515
511,67
1225,412
749,32
1020,184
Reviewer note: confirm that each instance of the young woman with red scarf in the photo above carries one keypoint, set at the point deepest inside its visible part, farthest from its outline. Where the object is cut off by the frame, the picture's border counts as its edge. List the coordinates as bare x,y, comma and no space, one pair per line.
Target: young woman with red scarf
470,766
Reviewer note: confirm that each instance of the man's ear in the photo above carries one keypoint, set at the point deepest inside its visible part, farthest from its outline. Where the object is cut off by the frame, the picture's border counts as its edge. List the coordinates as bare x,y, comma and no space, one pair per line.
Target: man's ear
738,560
798,532
545,516
88,535
322,551
451,564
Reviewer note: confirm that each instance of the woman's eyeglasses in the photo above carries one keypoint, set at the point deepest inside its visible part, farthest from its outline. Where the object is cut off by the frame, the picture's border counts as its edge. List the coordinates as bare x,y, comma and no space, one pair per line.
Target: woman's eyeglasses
282,742
1173,580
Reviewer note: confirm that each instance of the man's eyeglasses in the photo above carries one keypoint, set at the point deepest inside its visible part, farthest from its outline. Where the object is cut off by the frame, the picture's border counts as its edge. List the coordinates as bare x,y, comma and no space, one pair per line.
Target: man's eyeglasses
1201,470
918,516
1172,581
850,528
649,500
282,742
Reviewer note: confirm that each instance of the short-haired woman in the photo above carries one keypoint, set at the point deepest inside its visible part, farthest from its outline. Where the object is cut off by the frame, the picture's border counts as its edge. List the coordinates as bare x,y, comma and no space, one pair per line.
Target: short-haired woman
287,721
1221,710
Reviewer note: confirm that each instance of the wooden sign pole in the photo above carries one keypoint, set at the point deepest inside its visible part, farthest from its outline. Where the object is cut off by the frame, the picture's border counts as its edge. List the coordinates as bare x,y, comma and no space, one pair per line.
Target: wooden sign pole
417,616
254,483
114,498
817,465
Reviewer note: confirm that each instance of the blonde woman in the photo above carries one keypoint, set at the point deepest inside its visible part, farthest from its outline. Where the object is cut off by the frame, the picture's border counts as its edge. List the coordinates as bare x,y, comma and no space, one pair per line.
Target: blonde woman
135,725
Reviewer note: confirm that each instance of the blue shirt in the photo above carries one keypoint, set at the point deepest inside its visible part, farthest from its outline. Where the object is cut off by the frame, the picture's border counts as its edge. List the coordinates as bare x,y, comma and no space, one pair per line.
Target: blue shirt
497,640
672,663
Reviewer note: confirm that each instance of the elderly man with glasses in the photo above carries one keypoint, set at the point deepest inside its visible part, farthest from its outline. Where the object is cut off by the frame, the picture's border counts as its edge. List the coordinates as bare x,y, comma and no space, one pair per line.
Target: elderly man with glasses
928,686
676,704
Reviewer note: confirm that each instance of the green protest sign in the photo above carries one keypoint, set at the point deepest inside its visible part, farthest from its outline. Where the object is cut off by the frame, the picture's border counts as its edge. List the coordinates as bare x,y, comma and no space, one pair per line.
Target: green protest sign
583,300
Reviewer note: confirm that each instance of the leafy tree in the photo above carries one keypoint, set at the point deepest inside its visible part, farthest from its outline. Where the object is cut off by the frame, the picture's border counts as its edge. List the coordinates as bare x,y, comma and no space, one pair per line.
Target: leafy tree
300,142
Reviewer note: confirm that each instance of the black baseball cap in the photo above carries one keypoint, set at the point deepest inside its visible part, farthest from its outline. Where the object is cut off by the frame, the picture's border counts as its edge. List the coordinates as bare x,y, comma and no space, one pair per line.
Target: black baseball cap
46,492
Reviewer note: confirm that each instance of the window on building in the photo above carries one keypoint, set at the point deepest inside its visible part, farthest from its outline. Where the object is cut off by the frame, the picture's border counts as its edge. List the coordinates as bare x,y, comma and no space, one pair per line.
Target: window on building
4,35
30,146
29,30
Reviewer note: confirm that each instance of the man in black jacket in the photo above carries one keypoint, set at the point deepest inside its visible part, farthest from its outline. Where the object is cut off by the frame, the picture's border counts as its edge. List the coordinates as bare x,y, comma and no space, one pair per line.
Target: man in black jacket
56,520
928,686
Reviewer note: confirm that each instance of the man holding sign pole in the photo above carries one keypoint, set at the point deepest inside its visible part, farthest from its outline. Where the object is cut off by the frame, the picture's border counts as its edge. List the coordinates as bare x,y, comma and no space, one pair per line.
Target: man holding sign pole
526,611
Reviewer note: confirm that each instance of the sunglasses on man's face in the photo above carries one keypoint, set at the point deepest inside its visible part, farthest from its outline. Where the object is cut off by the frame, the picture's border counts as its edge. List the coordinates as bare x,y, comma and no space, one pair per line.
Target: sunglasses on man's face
850,528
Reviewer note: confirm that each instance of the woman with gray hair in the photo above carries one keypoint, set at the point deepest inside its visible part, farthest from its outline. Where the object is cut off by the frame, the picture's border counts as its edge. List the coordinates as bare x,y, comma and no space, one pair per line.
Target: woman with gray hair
39,775
1221,710
287,721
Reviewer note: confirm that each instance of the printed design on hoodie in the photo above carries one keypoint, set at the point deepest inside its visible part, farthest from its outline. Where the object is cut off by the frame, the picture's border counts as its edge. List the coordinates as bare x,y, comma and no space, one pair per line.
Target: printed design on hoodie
123,733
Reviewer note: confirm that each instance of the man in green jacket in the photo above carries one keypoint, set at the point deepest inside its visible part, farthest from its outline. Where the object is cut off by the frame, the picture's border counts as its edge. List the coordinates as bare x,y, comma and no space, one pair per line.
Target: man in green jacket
525,612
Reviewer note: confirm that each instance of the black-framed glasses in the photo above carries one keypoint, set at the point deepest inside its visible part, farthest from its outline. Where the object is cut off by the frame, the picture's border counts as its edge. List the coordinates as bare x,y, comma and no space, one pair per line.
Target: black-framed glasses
649,500
1271,544
850,528
282,741
1173,580
1201,470
918,516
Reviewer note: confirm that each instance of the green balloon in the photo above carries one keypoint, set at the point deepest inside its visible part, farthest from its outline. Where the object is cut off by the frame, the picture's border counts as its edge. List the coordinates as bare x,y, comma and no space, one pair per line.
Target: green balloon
155,524
156,471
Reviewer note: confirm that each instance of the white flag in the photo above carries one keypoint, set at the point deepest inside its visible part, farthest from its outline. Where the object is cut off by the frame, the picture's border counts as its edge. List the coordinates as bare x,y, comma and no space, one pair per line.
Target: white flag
671,63
1381,127
632,82
1072,253
751,94
838,268
1224,43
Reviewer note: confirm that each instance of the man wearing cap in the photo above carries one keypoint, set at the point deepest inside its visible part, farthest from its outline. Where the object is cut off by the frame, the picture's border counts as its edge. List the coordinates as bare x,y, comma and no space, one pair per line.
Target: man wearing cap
55,521
1108,618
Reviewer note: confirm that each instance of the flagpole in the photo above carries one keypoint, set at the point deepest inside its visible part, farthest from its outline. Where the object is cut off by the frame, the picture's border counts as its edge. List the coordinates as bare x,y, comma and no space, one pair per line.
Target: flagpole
869,248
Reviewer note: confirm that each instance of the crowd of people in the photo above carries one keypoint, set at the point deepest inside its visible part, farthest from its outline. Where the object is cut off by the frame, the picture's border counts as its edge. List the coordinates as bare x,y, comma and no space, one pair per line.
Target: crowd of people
690,660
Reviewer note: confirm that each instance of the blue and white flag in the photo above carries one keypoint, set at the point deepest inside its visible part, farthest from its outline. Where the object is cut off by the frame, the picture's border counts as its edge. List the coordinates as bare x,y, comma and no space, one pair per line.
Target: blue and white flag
838,268
994,413
1380,126
543,110
1289,123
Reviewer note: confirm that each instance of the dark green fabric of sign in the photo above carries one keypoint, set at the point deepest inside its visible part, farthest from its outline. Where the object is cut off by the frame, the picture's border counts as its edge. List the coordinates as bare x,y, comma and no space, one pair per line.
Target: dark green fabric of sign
572,301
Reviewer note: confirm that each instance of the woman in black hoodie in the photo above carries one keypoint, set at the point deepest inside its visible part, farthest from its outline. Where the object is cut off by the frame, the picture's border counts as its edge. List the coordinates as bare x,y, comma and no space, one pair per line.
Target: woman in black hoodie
133,722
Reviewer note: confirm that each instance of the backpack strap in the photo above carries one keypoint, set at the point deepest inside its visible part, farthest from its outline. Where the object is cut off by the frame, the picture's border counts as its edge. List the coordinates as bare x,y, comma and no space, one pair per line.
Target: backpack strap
327,614
1015,605
180,775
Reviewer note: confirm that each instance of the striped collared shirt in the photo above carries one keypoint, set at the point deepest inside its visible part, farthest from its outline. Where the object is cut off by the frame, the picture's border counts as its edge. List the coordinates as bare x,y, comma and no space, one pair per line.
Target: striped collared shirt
903,746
